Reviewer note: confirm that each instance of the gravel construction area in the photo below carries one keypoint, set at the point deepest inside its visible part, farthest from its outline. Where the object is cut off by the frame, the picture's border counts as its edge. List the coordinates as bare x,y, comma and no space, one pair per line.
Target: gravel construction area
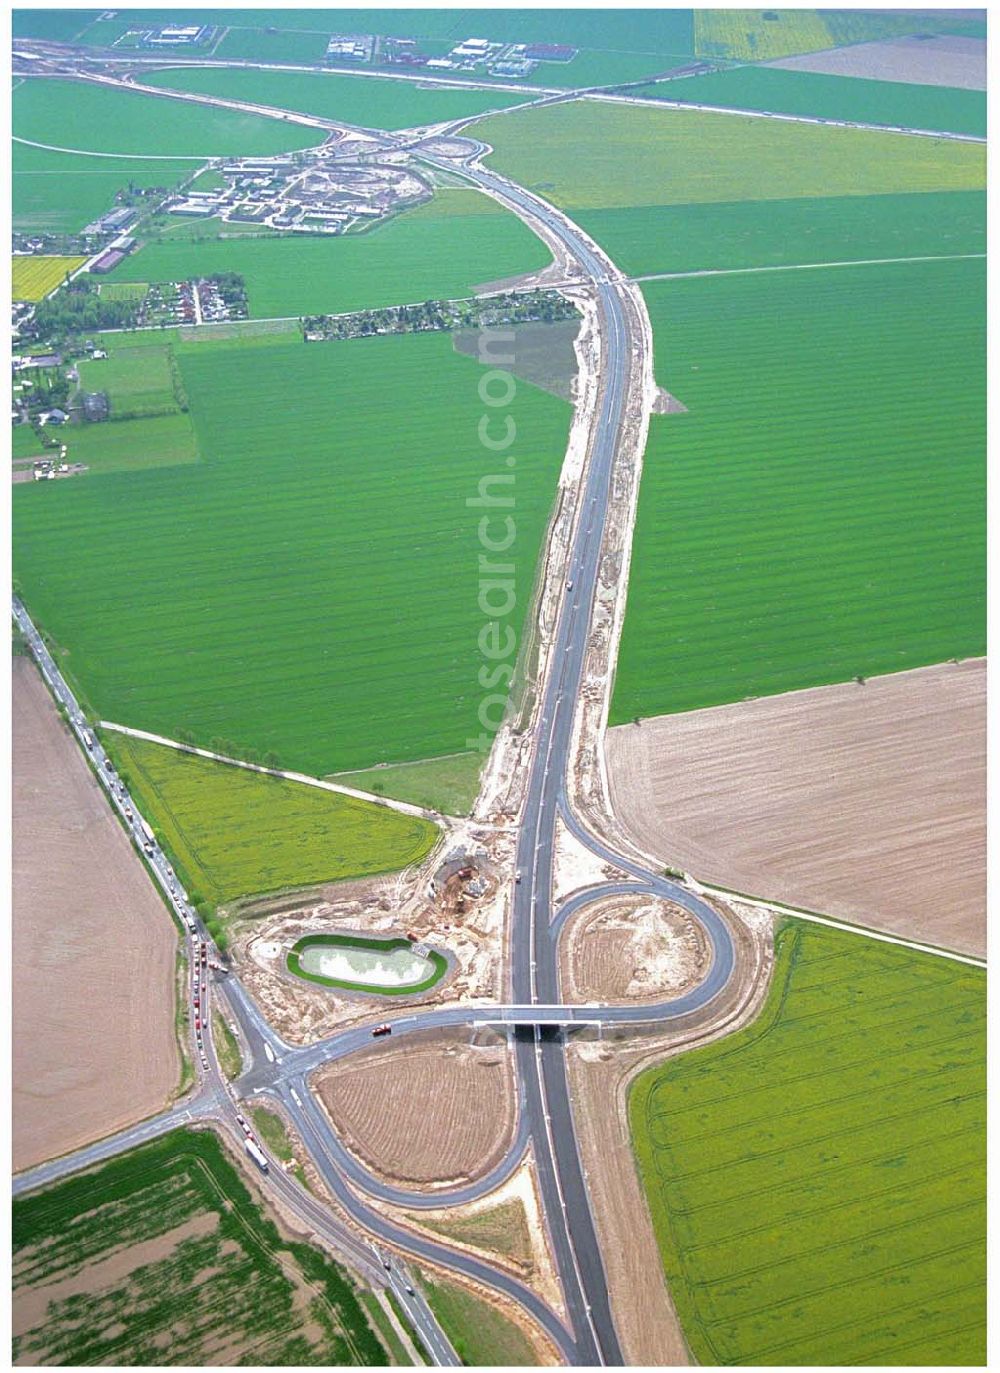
947,60
865,802
431,1113
632,949
93,950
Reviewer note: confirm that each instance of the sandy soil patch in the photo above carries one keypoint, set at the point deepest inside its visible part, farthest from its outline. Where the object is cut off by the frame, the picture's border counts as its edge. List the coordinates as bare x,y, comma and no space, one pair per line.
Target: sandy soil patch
430,1113
93,950
632,949
947,60
864,802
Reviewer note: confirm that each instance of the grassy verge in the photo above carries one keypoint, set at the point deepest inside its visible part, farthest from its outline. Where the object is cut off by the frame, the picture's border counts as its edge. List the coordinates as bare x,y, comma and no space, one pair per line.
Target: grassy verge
226,1047
449,785
407,1325
386,1329
829,1155
181,1022
273,1132
481,1335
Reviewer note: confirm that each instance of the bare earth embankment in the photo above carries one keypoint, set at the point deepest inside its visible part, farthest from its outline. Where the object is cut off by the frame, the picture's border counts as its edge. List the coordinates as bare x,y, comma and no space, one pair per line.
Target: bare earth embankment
864,802
430,1113
93,950
944,60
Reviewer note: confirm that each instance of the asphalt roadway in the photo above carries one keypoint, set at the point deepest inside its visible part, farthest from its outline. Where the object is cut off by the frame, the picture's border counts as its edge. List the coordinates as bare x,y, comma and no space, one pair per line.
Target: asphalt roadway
545,1116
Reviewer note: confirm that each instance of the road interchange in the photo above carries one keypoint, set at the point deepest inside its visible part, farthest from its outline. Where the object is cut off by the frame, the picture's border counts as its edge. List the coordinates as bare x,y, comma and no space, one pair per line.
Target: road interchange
545,1116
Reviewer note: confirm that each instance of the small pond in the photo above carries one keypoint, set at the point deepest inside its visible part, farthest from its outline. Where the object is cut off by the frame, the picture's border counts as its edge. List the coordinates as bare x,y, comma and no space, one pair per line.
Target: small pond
387,966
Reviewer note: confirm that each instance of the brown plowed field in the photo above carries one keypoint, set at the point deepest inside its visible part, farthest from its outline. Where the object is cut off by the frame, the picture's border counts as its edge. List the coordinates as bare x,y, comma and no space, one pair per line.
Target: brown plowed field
93,952
864,802
432,1112
945,60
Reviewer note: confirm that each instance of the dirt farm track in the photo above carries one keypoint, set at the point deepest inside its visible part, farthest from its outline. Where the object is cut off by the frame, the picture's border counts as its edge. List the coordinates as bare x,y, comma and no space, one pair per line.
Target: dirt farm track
865,802
93,950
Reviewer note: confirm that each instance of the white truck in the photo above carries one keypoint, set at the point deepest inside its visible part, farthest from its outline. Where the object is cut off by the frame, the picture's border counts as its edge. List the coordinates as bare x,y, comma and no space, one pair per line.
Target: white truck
148,839
257,1154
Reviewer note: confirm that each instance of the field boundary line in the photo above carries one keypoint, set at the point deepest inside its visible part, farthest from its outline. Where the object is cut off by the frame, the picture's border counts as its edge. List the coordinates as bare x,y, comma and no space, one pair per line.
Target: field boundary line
807,266
404,807
133,157
881,936
782,116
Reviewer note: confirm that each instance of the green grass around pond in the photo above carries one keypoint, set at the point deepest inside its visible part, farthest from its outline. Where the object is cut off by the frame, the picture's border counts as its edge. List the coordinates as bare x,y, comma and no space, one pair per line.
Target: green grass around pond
591,155
441,249
817,1180
768,233
91,118
819,511
383,946
235,833
831,97
310,587
374,104
449,785
164,1253
63,192
482,1336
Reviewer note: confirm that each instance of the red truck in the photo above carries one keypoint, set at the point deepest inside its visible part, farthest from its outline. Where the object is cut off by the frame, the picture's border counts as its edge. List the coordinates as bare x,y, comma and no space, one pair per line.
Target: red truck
381,1030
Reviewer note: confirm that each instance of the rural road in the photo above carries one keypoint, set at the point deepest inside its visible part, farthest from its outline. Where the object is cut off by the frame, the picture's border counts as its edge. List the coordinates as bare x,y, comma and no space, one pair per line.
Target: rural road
535,1013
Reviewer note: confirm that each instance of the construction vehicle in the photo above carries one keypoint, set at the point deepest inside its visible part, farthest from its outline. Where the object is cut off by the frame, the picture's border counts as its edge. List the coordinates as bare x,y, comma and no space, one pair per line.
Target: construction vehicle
258,1156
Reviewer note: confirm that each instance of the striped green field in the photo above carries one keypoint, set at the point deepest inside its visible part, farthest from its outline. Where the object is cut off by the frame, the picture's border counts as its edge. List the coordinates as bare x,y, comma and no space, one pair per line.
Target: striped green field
100,119
63,192
819,511
383,104
768,233
236,833
310,587
831,97
817,1181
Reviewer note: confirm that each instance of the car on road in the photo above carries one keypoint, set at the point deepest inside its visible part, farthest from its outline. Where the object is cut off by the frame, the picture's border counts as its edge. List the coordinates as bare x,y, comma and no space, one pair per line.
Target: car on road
381,1030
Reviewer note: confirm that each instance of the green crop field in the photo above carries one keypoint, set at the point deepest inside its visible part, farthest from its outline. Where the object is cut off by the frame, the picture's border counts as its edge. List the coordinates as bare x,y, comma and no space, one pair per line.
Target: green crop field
586,155
135,445
63,192
55,26
767,233
24,442
236,833
310,587
123,290
381,104
434,251
832,97
248,45
164,1256
762,35
817,1180
819,511
90,118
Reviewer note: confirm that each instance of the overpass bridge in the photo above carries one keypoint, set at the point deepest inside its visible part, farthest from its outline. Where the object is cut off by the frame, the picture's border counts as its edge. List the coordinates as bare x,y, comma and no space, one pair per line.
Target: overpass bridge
534,1015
